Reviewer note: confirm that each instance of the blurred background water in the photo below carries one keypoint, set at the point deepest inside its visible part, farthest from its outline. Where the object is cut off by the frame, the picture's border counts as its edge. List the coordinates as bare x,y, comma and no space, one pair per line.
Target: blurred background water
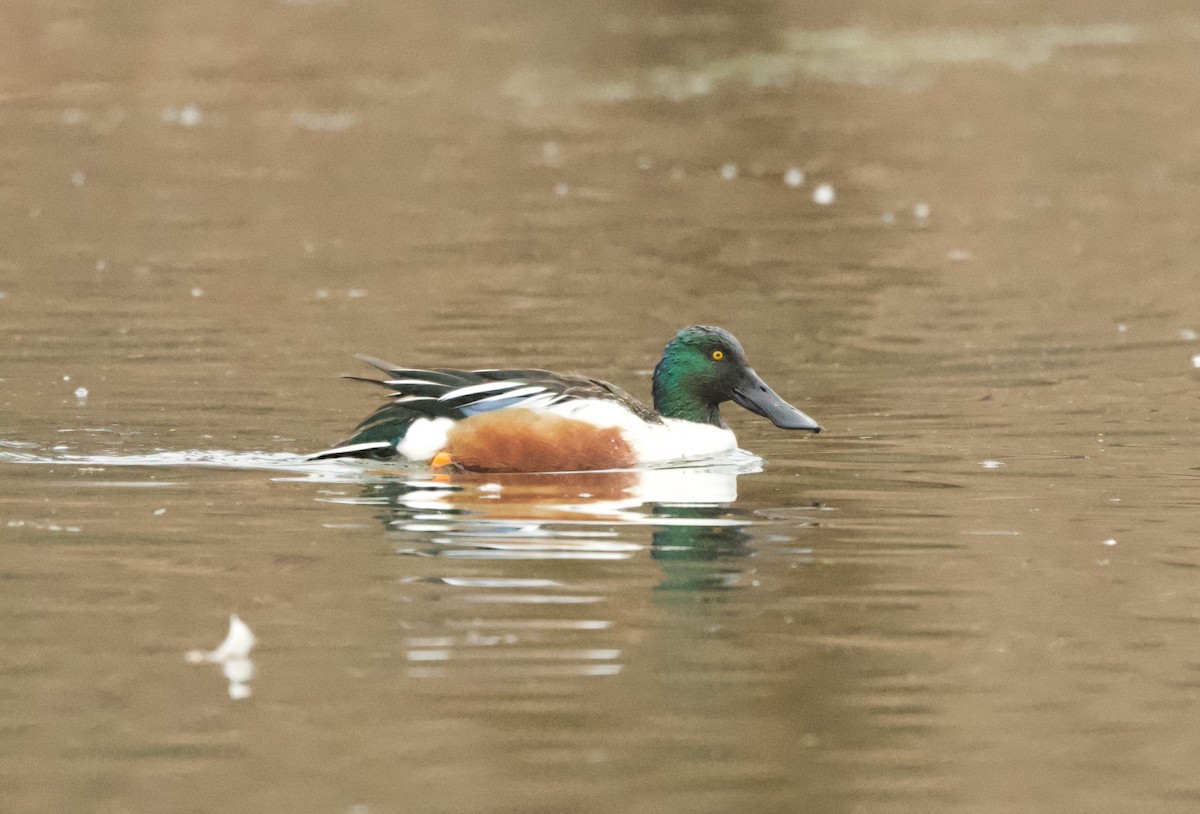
960,235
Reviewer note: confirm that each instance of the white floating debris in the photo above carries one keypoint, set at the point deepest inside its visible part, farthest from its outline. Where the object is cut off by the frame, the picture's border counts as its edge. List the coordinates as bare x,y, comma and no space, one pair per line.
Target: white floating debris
81,393
490,487
1110,542
1188,334
561,189
991,464
233,655
78,178
1122,328
794,177
1196,360
824,194
921,211
197,291
190,116
66,378
729,171
159,512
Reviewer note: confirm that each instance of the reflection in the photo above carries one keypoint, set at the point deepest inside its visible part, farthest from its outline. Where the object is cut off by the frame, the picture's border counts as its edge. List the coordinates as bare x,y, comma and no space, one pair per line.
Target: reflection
233,655
506,592
687,551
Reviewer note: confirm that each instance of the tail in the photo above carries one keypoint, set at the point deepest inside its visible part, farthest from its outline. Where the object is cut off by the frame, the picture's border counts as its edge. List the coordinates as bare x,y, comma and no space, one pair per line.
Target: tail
376,437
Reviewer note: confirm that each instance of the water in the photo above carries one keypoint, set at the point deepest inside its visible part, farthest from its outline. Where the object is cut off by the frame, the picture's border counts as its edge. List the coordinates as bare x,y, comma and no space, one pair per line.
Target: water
975,592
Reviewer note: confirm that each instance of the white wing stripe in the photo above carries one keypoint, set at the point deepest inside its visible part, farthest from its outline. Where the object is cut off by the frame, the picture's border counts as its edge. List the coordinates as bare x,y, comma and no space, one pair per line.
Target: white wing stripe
473,389
400,399
512,394
408,381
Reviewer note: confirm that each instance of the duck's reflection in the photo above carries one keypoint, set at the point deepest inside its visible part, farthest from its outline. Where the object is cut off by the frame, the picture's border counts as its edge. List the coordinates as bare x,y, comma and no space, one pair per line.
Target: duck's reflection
689,513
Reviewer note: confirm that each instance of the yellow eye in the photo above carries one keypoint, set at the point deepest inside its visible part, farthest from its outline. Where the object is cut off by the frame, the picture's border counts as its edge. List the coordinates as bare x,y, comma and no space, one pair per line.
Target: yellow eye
718,355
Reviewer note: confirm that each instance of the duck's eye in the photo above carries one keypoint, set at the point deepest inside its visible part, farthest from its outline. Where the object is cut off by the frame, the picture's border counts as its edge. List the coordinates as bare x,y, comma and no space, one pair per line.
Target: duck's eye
718,355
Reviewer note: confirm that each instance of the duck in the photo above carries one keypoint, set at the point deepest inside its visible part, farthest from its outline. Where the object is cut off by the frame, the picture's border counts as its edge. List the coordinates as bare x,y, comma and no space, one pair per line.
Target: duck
518,420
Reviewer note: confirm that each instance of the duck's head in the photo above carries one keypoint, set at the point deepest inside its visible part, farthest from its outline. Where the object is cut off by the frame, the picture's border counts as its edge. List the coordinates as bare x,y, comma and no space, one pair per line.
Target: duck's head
703,367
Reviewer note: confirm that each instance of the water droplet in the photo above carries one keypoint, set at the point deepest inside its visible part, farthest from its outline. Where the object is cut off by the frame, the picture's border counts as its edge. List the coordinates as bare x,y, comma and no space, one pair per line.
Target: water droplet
190,116
824,194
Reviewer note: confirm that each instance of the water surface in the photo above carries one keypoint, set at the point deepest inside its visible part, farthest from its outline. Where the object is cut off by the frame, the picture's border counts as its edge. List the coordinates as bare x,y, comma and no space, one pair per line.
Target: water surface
976,592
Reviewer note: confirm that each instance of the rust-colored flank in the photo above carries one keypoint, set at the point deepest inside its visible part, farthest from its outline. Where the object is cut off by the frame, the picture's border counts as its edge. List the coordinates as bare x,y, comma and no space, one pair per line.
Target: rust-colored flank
520,440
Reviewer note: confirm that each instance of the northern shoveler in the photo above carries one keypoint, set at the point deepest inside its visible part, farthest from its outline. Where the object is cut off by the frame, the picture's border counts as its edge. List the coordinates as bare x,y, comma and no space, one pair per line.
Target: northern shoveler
537,421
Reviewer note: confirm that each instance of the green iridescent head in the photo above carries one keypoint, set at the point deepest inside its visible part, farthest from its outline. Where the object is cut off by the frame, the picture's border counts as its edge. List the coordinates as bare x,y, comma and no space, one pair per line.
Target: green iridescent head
702,367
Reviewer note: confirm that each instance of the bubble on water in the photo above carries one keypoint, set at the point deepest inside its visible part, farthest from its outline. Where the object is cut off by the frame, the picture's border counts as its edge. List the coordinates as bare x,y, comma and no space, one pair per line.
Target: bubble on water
197,291
78,178
824,194
190,116
1188,334
561,189
729,171
1122,328
81,393
1196,361
921,211
794,177
991,464
159,512
66,378
1110,542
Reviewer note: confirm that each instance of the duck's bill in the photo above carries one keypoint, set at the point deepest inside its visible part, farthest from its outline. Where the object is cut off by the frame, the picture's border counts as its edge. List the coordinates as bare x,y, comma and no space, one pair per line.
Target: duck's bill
754,394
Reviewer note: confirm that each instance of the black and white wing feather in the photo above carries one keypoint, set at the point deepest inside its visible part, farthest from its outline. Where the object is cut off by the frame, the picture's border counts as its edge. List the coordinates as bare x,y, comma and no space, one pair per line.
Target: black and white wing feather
458,394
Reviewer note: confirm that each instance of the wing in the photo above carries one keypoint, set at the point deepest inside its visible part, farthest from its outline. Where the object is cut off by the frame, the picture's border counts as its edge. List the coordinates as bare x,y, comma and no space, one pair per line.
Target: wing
458,394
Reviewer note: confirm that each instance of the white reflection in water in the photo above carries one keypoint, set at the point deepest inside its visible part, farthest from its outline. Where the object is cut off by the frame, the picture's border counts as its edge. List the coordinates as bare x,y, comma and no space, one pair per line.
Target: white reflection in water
233,655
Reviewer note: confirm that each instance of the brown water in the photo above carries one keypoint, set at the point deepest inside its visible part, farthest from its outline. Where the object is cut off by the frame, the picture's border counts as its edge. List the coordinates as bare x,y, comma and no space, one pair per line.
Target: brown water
978,592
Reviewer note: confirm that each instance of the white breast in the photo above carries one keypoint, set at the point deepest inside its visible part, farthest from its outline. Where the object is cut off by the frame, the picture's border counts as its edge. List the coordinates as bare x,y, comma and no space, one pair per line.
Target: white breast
673,440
